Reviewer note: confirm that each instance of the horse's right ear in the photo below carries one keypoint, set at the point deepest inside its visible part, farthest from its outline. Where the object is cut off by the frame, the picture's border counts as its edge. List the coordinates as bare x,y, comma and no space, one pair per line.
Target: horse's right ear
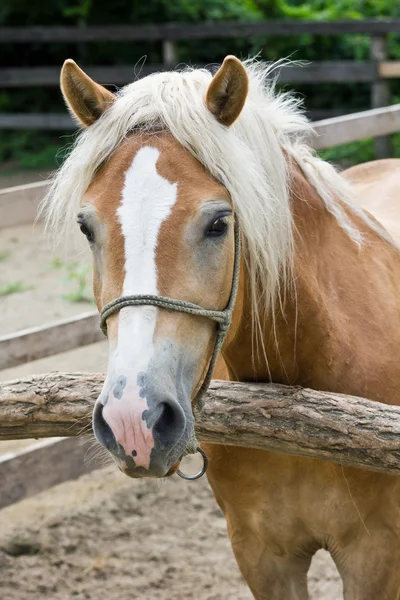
86,99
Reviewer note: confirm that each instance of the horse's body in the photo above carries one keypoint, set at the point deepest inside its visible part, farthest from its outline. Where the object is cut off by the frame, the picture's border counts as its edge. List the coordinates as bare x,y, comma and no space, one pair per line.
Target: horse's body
377,186
333,323
280,509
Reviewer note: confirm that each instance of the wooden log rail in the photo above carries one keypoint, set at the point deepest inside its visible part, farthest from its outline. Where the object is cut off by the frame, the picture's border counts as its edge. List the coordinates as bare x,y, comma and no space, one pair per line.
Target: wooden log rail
347,430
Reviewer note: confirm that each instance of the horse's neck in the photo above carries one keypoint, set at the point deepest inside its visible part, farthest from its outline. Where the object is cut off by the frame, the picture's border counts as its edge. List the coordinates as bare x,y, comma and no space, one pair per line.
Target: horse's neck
309,340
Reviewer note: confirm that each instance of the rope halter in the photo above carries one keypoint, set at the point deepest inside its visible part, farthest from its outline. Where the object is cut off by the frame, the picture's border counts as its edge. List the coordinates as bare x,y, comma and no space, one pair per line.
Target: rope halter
222,317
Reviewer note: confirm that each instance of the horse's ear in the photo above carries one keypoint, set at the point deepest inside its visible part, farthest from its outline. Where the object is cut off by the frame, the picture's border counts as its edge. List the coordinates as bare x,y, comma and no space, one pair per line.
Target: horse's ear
227,91
86,99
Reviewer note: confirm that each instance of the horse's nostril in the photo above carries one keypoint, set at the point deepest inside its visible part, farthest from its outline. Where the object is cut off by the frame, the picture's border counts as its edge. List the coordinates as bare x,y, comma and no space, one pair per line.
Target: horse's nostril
170,423
102,430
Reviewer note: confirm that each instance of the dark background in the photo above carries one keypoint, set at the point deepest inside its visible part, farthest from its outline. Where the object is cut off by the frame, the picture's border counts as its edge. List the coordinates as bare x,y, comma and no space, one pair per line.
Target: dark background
37,149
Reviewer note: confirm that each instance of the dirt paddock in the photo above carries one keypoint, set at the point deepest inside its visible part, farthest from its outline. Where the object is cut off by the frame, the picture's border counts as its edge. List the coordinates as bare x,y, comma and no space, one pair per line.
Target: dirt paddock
104,535
107,536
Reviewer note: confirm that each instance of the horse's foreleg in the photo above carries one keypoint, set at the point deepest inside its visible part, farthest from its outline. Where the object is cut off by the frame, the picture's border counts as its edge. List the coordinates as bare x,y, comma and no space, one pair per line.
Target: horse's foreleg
272,551
370,566
269,577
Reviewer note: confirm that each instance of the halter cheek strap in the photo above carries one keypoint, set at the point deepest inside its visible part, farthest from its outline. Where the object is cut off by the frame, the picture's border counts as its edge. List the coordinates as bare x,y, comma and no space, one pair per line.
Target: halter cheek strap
222,317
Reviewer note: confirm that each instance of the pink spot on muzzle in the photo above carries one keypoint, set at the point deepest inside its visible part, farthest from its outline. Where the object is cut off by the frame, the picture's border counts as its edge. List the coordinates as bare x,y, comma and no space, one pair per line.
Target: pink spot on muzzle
124,417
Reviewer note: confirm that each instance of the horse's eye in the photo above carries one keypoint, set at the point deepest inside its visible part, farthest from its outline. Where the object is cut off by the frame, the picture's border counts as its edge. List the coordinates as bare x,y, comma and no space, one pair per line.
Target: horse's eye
218,228
86,231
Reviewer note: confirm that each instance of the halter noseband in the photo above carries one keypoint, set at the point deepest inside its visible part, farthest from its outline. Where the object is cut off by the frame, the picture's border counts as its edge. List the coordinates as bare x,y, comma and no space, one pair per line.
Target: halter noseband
222,317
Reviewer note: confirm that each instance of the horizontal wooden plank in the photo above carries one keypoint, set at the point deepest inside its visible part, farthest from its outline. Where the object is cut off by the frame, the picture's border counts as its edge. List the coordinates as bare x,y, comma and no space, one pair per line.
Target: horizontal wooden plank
59,122
389,69
357,126
42,466
179,31
49,121
314,73
331,131
318,114
19,204
39,342
50,76
328,71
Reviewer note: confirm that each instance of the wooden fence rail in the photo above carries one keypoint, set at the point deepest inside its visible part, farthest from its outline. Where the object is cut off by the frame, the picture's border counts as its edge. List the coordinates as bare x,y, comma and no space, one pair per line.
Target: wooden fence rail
63,122
185,31
41,466
38,342
19,204
357,126
347,430
328,71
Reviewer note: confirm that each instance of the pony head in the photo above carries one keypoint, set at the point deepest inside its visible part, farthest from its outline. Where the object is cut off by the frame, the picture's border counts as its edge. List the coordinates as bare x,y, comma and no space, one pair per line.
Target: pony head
160,224
155,180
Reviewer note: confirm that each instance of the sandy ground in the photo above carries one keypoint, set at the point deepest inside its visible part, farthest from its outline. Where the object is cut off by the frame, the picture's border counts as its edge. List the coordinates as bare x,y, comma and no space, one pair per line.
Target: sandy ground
108,536
105,535
42,277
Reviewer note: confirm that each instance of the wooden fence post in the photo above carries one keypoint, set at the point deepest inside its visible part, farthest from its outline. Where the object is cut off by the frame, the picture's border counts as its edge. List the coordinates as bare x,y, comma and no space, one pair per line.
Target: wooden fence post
380,93
169,53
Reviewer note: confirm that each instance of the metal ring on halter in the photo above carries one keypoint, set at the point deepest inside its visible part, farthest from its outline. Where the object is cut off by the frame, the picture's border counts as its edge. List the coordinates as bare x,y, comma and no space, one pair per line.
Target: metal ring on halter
200,473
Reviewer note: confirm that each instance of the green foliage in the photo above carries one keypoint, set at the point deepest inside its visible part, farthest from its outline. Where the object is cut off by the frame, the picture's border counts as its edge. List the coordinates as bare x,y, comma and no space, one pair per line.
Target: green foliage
14,287
81,10
76,277
323,10
56,263
38,149
4,256
357,152
211,10
349,154
326,10
31,149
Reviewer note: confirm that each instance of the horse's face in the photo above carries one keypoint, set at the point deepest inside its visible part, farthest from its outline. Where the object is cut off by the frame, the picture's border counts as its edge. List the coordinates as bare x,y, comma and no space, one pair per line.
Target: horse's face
157,224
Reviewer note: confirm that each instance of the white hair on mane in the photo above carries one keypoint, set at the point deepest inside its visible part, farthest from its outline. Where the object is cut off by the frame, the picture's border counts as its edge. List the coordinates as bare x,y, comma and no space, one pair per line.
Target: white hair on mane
250,159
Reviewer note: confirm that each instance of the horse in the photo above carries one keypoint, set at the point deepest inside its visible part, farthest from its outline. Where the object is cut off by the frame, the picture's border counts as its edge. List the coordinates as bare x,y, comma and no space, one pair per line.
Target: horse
165,179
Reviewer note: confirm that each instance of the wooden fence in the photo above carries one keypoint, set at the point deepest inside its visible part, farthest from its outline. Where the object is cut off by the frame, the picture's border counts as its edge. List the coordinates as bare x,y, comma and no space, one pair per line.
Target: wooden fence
377,71
367,434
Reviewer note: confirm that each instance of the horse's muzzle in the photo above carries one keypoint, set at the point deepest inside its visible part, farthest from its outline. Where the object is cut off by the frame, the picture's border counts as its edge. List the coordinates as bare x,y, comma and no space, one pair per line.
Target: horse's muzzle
145,443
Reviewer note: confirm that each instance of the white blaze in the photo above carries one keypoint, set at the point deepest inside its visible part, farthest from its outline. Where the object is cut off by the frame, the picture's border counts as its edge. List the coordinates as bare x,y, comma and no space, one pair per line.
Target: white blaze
147,200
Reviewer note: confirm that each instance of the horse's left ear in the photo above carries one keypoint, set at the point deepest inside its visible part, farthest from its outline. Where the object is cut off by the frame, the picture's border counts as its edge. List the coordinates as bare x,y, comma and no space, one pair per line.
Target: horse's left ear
227,91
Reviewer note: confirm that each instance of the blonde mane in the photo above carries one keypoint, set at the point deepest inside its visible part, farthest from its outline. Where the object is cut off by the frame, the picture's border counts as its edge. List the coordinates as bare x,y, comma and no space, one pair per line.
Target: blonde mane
249,159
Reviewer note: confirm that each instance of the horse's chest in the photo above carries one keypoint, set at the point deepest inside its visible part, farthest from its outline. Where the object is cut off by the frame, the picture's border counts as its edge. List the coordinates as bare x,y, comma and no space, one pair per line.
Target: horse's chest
297,503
